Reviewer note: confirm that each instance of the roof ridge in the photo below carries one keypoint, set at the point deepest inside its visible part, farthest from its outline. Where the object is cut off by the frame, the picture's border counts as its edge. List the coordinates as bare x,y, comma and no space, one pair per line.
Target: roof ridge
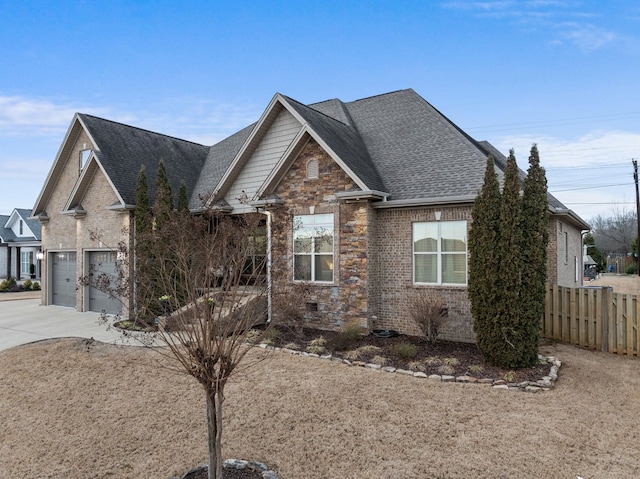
141,129
382,94
318,111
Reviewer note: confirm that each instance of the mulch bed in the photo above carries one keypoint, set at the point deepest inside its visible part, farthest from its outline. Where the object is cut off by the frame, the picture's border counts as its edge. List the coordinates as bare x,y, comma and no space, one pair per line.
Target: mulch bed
226,474
460,359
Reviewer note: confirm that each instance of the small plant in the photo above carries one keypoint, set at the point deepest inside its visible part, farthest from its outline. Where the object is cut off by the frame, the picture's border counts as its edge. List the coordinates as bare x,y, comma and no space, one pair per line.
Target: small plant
27,284
404,350
348,335
416,366
451,361
361,352
476,368
381,360
292,346
446,369
509,376
272,336
252,336
428,315
35,286
317,346
433,361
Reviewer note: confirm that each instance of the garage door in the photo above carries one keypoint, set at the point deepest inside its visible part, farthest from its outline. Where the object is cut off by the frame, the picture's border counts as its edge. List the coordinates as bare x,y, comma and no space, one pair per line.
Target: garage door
64,278
103,262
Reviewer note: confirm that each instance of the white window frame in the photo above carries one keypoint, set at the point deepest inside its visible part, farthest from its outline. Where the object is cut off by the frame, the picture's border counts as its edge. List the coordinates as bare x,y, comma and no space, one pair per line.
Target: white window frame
440,253
25,262
316,222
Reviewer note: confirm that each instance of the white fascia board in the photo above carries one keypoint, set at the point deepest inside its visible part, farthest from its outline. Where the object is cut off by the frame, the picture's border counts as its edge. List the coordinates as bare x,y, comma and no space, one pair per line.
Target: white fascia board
572,217
90,168
76,120
425,202
325,147
73,126
362,195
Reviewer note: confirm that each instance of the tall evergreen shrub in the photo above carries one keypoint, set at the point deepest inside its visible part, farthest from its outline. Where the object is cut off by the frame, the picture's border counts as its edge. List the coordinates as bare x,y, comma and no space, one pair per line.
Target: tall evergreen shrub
483,261
535,238
163,204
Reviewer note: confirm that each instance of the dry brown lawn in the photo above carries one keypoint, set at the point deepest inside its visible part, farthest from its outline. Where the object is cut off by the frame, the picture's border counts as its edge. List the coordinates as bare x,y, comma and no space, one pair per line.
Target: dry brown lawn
72,411
628,284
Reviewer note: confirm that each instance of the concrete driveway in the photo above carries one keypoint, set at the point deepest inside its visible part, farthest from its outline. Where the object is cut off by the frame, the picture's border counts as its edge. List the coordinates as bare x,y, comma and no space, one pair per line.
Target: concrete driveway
24,321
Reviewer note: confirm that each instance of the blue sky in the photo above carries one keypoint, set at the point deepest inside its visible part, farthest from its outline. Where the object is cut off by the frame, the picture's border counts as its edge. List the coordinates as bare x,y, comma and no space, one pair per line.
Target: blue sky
561,73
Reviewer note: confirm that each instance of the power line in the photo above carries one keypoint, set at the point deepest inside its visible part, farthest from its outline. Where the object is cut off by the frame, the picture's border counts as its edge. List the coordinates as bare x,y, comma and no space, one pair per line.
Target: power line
564,121
589,188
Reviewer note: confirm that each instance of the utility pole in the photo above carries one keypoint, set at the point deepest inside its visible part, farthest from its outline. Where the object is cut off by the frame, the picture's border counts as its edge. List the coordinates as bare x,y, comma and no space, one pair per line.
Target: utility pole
635,178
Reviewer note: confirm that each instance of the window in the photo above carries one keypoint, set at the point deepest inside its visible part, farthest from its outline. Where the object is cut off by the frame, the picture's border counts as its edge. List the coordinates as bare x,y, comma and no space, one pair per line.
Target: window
566,247
84,156
25,262
440,252
255,264
21,228
312,168
313,248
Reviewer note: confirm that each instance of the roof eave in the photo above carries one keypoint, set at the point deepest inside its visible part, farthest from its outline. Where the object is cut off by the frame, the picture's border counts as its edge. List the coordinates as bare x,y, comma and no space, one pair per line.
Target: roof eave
362,195
425,202
573,217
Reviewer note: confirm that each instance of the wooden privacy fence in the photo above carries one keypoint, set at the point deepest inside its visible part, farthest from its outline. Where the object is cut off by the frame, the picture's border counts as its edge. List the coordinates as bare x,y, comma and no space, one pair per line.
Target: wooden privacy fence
592,317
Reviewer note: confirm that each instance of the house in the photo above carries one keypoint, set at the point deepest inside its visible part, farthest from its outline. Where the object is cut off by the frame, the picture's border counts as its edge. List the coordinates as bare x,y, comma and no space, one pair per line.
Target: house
370,200
19,245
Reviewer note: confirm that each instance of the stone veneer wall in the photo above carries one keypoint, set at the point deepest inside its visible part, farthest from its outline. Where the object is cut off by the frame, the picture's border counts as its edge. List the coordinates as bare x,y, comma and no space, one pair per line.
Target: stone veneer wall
346,299
393,274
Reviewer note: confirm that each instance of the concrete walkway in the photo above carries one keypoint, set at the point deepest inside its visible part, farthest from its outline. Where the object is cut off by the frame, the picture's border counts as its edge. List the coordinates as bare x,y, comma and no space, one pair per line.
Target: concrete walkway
24,321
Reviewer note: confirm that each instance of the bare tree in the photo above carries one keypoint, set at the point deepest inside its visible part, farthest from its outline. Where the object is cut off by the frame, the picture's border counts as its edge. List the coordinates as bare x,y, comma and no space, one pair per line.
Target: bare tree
615,233
214,293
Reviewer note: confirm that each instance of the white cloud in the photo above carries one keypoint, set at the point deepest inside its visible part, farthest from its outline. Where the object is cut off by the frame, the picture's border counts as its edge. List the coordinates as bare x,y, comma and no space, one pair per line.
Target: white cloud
591,174
562,19
587,37
36,117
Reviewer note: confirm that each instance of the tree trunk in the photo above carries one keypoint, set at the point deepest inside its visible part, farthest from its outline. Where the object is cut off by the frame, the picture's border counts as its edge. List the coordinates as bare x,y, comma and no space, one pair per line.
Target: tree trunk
214,431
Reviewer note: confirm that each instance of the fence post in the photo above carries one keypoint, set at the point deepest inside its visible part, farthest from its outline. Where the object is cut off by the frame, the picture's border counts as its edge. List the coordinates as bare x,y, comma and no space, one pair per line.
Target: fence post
604,325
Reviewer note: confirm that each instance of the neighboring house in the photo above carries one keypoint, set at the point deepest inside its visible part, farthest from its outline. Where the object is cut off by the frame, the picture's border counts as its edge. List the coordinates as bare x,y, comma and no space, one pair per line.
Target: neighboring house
369,201
19,245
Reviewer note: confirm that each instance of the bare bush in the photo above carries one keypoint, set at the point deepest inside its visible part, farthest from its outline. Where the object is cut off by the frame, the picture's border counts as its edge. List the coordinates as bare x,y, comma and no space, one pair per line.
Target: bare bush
428,314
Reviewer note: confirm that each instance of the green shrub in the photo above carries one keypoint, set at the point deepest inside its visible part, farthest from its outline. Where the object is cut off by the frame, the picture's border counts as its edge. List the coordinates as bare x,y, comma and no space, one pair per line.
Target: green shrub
631,269
35,286
8,284
348,335
404,350
27,285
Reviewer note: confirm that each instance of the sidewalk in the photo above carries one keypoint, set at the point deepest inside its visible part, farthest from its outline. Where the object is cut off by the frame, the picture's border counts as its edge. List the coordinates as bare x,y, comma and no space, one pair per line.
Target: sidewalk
24,321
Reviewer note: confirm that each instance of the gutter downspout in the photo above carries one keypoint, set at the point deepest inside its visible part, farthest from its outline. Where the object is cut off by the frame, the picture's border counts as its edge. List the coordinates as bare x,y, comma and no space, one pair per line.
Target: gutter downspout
269,300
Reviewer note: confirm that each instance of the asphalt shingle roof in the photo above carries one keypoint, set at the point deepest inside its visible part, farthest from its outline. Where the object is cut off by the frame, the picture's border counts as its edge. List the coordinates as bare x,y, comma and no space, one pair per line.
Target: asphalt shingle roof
123,149
219,157
397,143
345,141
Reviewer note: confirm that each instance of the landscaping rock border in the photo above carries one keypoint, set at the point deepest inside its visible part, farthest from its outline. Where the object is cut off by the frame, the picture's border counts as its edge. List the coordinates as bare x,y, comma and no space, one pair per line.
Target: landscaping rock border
543,384
236,464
